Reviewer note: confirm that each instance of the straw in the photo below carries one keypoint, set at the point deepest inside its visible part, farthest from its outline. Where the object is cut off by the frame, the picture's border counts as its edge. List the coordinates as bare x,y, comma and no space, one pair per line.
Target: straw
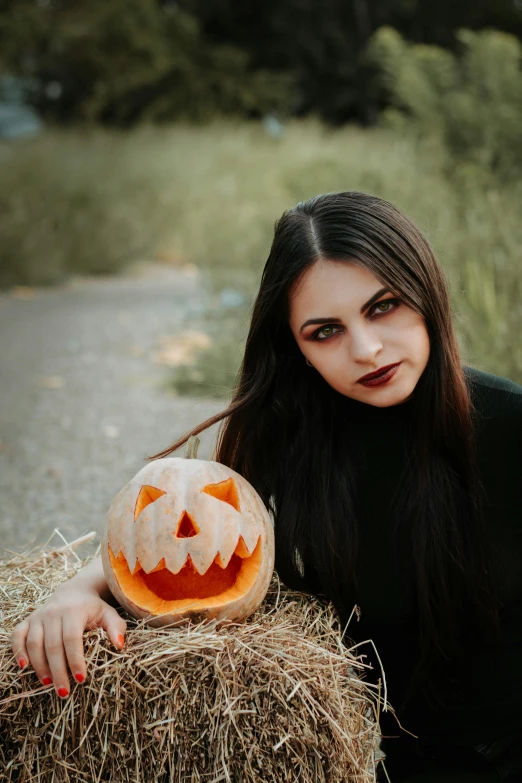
277,697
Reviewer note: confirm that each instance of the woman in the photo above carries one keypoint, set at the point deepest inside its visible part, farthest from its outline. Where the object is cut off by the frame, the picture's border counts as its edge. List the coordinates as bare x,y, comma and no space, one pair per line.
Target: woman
400,495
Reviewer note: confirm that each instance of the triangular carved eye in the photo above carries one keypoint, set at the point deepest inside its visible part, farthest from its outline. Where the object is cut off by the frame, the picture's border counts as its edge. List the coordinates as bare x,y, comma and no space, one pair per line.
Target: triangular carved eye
186,527
146,495
225,490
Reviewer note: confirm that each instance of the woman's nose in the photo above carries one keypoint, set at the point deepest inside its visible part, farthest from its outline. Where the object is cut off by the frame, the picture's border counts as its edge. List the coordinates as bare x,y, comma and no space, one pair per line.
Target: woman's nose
365,346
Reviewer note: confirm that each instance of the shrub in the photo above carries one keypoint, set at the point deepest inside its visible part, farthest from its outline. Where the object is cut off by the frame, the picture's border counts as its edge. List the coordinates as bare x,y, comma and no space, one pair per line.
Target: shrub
123,61
92,202
471,102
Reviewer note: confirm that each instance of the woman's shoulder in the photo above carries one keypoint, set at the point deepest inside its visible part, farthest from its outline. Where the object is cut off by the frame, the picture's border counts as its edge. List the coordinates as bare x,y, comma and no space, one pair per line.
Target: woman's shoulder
494,395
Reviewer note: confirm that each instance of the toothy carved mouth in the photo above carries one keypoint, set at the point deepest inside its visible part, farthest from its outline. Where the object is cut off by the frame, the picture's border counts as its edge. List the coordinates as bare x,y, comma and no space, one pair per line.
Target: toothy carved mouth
161,591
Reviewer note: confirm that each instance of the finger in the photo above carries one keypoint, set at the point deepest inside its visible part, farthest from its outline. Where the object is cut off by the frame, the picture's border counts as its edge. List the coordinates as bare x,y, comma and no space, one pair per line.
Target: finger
36,651
18,647
53,642
72,630
114,625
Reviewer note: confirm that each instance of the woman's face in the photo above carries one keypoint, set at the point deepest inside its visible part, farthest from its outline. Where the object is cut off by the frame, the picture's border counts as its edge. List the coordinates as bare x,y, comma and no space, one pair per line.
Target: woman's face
357,329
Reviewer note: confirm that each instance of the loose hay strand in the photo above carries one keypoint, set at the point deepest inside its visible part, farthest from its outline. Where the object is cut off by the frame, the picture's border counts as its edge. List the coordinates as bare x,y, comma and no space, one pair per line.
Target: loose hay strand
275,698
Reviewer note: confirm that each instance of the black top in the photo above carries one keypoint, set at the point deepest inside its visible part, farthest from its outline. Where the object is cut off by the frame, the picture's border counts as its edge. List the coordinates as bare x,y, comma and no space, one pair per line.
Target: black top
487,702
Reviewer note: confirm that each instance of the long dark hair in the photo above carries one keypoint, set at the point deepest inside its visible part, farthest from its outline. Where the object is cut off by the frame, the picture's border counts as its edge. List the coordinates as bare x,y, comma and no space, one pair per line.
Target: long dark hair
281,430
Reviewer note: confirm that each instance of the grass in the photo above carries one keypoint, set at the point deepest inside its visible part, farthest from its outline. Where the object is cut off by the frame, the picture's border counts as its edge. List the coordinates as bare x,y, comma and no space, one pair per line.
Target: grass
93,201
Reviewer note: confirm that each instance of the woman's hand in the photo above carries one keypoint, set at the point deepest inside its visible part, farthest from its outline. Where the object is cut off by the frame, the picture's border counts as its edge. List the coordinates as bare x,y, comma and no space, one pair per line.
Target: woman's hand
52,636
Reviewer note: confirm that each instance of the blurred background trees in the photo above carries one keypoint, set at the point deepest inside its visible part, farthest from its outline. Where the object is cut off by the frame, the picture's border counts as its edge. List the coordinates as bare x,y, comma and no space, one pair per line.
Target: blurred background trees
121,61
324,43
180,131
471,102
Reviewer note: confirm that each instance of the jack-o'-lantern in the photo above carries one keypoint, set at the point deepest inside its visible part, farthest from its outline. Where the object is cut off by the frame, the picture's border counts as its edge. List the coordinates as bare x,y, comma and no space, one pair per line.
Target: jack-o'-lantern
188,537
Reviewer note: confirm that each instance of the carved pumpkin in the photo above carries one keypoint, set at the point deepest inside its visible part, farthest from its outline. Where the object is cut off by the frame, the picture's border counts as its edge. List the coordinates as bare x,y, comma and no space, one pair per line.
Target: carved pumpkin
188,537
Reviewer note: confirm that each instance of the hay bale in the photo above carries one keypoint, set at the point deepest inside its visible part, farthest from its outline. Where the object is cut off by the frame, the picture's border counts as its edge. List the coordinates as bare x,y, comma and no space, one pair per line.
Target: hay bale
275,698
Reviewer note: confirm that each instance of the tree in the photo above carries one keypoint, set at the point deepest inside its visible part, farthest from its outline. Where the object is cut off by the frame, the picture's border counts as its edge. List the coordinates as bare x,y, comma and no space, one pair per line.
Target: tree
119,61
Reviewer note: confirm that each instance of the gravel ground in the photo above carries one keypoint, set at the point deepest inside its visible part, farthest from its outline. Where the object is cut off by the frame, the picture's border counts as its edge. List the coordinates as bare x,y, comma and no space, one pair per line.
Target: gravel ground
82,399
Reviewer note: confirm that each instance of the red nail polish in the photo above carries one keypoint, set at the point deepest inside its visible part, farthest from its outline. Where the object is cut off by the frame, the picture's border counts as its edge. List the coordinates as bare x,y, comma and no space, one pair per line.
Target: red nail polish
46,680
63,692
121,640
79,677
23,663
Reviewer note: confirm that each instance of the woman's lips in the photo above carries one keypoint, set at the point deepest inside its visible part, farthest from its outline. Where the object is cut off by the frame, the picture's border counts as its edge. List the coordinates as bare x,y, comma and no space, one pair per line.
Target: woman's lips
381,379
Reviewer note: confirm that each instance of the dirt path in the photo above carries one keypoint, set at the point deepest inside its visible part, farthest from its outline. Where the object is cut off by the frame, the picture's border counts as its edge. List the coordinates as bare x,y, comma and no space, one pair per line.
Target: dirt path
81,396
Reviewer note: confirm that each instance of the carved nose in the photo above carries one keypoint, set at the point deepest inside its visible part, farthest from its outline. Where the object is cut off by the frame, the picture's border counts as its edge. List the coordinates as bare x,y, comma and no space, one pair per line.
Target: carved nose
186,527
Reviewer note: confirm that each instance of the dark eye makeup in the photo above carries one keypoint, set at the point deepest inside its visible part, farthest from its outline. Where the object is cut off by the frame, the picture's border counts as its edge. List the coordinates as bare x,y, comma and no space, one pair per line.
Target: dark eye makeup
395,302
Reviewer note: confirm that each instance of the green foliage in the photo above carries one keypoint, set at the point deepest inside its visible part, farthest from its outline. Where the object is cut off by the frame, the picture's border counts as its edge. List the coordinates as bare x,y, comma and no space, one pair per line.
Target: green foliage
127,60
209,195
323,43
472,103
118,61
71,204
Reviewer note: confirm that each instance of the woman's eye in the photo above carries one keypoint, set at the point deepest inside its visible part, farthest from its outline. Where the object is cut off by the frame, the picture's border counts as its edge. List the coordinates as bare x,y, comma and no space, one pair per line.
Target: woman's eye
394,302
324,330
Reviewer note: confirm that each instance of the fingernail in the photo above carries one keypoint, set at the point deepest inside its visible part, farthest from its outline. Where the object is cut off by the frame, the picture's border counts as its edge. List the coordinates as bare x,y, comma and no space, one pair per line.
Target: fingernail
23,663
79,677
46,680
121,640
63,692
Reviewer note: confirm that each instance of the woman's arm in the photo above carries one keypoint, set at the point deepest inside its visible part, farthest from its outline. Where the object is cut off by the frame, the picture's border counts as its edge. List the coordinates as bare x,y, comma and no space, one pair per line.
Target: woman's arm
52,636
92,577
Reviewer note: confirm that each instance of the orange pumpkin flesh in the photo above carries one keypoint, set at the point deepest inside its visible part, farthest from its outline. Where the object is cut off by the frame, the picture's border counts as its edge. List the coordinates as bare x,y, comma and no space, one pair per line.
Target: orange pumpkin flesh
228,586
162,591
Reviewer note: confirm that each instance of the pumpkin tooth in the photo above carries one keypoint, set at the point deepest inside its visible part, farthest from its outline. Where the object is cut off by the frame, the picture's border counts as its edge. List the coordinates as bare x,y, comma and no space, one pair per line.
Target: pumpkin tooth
161,565
122,557
219,561
137,567
201,562
246,543
241,548
177,560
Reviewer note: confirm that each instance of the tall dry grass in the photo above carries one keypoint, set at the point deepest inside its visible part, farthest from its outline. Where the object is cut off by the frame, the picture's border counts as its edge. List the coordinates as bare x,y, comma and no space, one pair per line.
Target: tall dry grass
93,201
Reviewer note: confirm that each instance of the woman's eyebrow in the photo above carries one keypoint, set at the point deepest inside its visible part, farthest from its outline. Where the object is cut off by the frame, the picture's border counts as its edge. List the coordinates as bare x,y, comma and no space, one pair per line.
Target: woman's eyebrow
365,306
